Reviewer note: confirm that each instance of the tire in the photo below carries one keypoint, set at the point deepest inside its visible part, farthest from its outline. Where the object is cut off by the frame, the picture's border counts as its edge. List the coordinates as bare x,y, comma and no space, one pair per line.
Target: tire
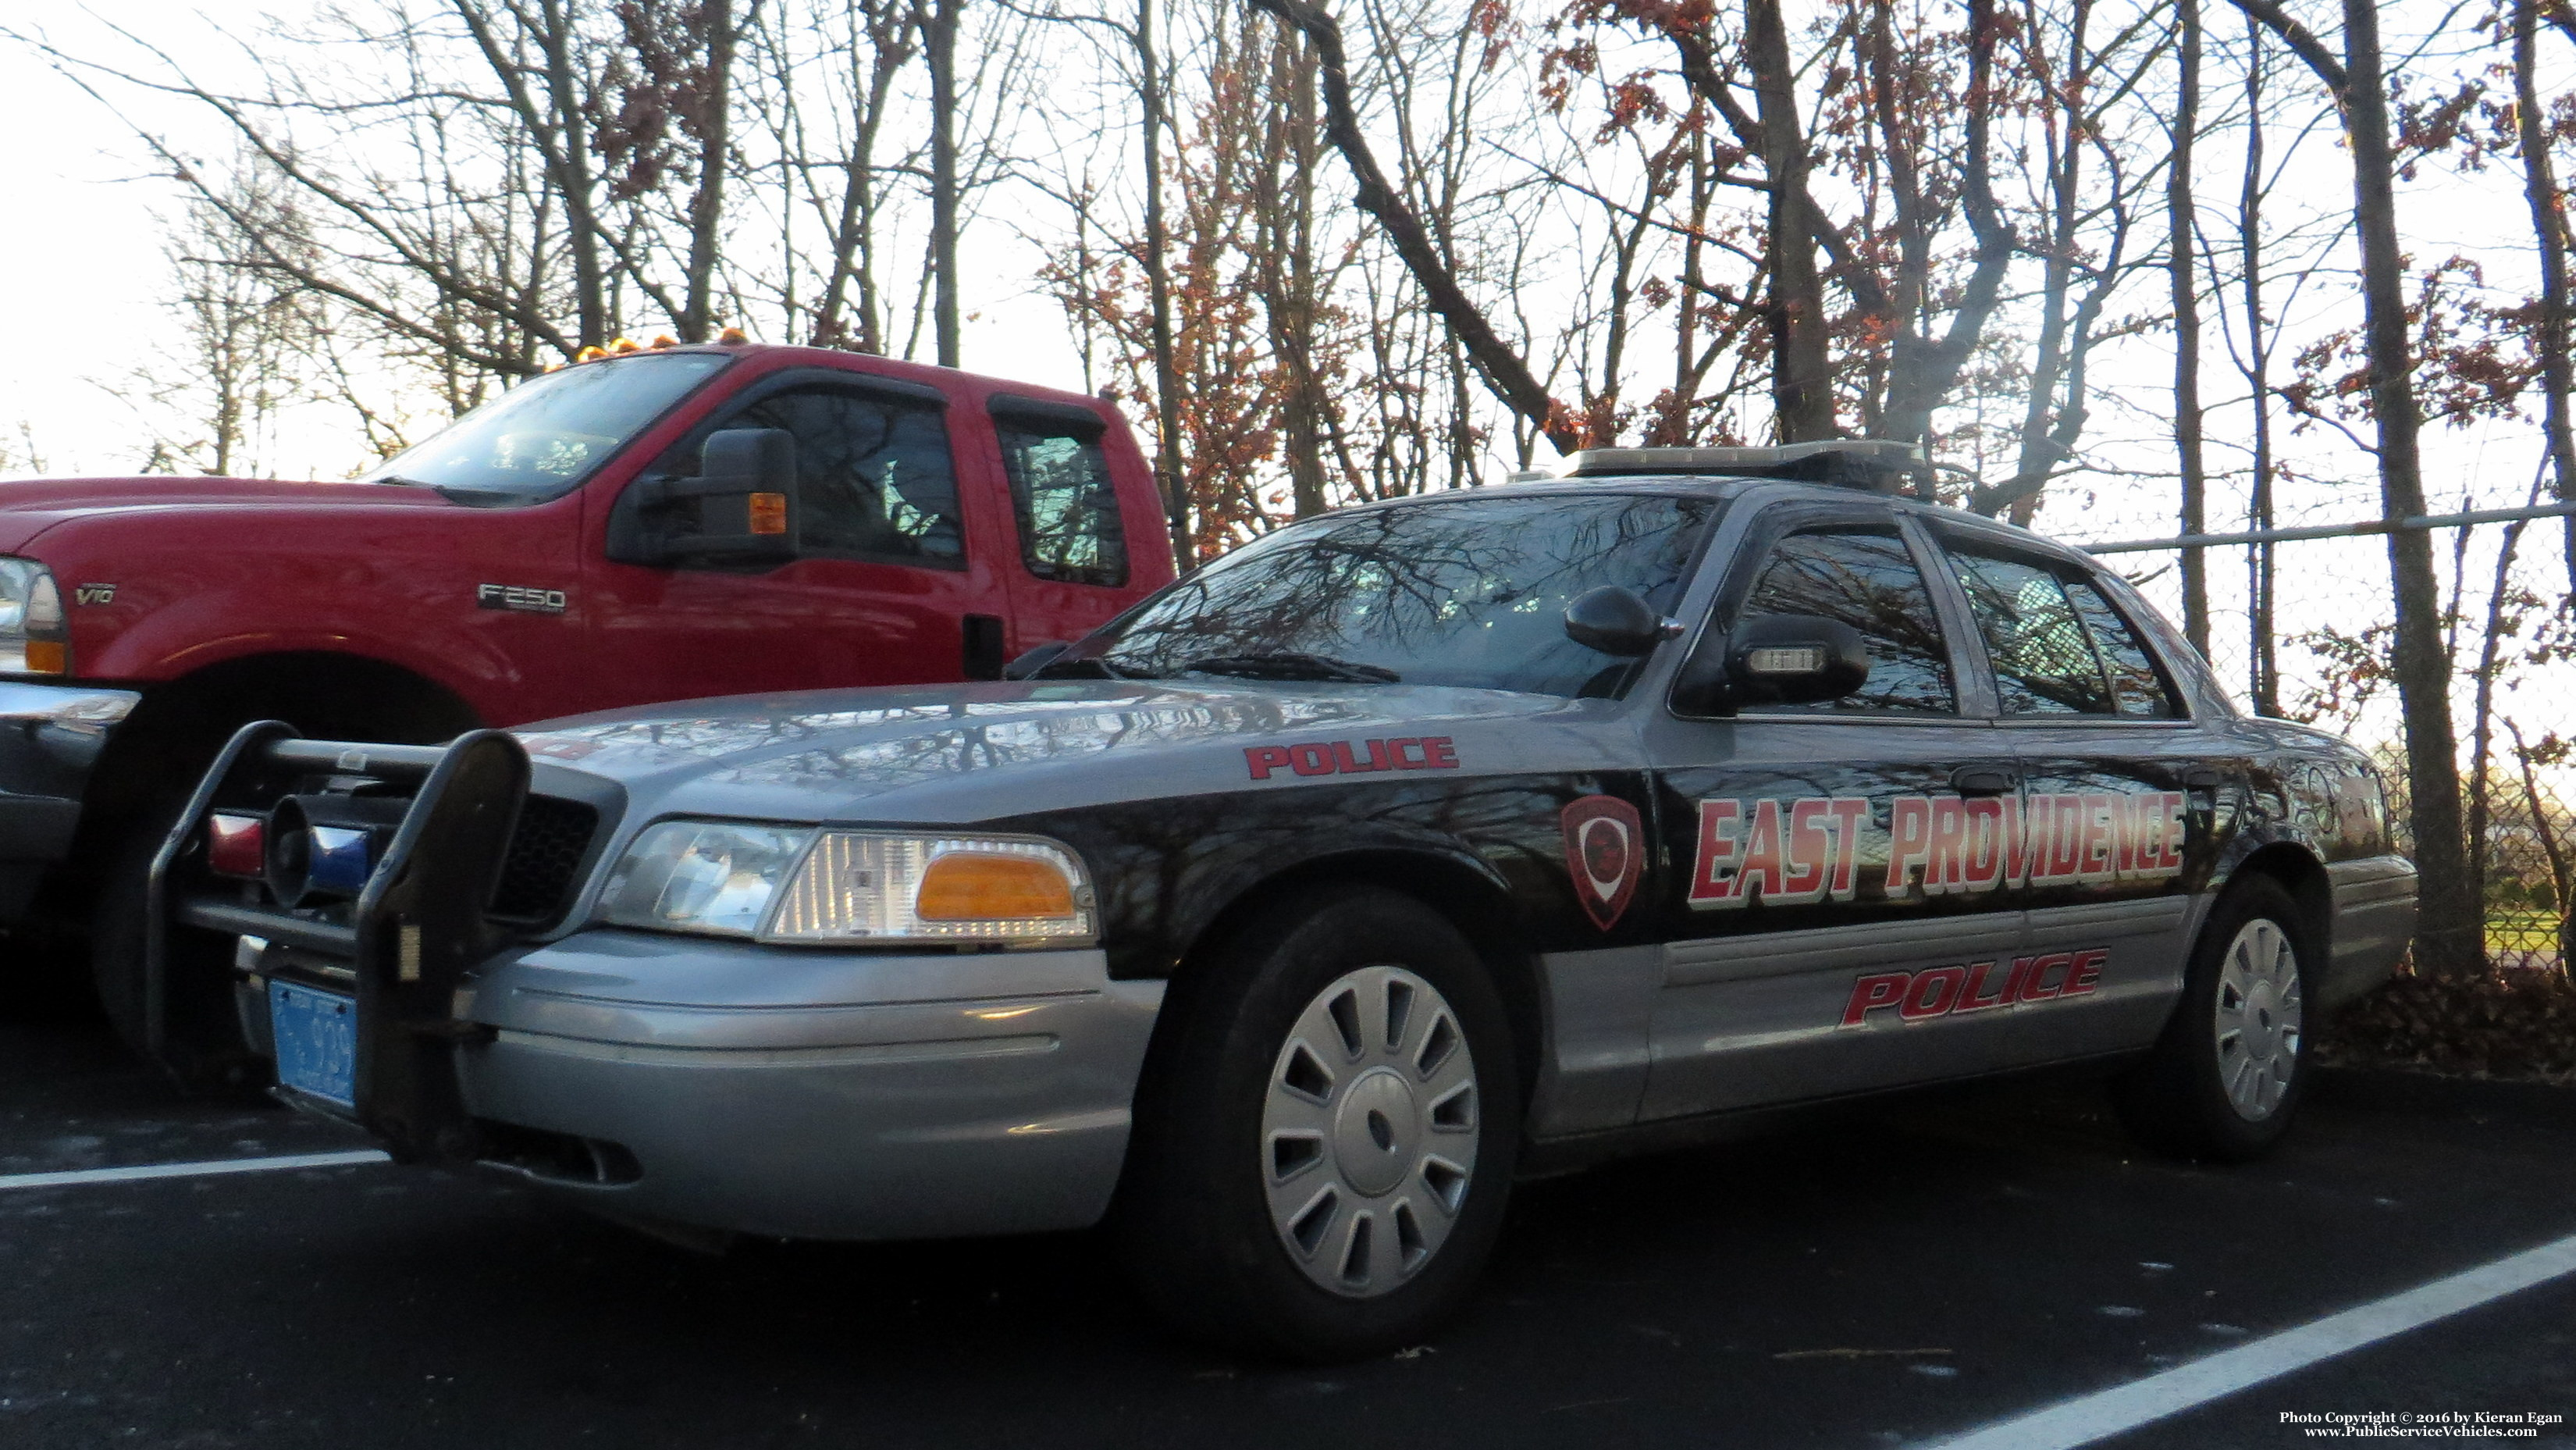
1296,1185
2227,1075
205,1052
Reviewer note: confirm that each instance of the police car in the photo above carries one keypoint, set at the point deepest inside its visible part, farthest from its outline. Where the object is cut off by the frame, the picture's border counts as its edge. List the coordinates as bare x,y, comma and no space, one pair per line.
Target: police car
1288,919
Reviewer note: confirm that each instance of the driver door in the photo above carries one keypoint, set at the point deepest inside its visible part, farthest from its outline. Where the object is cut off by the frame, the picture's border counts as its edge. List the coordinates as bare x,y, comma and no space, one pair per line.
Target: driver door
895,558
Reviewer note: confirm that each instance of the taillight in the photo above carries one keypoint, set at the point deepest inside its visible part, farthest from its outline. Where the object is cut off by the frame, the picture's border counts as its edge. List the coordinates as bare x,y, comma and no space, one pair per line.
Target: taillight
237,845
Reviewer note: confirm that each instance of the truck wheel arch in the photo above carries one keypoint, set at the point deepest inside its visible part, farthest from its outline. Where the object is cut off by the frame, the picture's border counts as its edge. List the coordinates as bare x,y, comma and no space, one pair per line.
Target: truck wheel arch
163,745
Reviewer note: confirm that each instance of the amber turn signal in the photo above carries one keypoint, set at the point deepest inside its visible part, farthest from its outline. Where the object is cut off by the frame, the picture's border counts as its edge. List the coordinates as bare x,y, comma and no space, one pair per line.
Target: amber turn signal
769,513
975,886
48,657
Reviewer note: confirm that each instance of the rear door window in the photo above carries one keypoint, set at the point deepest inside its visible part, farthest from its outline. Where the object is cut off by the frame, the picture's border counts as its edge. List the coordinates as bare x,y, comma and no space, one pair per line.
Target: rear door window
2043,660
2138,688
1867,579
1063,499
2057,645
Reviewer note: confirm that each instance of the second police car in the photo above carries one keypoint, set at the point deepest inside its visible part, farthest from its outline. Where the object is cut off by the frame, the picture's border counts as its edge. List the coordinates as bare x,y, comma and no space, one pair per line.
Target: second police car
1289,918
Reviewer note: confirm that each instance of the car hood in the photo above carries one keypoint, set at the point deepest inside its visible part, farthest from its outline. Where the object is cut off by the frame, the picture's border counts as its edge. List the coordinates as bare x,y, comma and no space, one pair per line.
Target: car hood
957,753
29,506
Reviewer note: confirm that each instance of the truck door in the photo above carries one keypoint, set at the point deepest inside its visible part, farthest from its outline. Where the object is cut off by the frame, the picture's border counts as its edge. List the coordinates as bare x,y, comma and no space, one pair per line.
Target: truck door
1068,522
2118,783
894,559
1838,923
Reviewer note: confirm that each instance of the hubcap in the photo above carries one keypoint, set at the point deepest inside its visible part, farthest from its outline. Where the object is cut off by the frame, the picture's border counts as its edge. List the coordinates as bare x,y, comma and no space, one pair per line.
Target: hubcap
2258,1018
1369,1131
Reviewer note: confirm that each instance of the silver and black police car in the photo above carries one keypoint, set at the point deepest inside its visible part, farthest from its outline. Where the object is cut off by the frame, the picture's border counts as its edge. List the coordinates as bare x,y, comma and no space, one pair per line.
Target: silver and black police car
1285,921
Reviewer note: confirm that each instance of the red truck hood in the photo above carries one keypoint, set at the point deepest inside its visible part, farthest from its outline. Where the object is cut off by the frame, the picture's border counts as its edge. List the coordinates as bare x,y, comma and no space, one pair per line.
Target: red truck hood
30,506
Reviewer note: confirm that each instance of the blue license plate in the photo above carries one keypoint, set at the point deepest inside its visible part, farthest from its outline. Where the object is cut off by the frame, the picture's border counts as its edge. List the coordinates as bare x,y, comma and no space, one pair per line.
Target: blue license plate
316,1036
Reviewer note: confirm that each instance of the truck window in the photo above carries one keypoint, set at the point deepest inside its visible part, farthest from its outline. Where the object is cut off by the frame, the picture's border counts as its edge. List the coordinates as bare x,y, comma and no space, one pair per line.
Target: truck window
539,439
2044,661
1064,501
1865,579
873,474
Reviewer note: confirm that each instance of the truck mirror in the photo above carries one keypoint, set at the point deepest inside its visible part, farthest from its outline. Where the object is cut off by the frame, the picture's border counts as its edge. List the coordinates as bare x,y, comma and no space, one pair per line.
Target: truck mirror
745,493
1617,620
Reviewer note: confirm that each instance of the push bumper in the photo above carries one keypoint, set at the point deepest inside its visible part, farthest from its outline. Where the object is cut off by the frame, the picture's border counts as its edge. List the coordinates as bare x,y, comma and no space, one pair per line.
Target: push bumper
809,1095
50,736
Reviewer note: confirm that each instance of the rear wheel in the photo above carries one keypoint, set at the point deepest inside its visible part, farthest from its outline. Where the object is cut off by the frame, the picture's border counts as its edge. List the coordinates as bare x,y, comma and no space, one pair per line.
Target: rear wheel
1326,1136
2230,1068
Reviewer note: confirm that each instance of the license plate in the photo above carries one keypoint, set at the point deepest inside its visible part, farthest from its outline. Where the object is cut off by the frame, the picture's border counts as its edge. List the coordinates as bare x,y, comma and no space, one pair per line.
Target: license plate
316,1036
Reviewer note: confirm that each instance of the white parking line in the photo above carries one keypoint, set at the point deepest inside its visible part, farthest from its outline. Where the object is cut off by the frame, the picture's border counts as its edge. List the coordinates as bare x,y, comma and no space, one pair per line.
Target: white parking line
76,1176
2126,1407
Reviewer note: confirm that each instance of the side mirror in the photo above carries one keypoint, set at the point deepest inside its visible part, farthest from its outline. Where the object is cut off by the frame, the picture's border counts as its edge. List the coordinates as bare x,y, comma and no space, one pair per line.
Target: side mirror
745,493
1794,659
1617,620
1027,666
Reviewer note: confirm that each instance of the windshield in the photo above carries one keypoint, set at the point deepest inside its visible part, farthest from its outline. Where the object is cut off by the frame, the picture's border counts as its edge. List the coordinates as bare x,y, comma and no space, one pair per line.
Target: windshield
547,434
1469,592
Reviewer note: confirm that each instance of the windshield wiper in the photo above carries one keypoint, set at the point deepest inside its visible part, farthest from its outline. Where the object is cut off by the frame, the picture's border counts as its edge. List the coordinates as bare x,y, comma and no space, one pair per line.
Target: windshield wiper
1290,665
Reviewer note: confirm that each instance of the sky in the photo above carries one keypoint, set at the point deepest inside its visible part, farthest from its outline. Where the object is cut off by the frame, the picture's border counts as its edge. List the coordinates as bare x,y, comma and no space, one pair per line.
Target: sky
82,255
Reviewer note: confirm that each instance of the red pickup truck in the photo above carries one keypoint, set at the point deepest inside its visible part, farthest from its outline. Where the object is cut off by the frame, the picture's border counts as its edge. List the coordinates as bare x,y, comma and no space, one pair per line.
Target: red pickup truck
658,524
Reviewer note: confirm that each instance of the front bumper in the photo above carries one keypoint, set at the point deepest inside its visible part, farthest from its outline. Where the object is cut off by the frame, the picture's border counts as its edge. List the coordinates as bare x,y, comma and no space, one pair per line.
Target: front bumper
50,736
813,1094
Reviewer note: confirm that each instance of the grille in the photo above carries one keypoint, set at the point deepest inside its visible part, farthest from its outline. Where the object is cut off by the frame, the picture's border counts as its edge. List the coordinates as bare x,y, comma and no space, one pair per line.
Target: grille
545,852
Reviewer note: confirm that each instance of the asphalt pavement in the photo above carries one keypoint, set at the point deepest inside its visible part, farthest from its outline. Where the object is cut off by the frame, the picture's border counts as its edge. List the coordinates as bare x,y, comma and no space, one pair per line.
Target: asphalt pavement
1887,1279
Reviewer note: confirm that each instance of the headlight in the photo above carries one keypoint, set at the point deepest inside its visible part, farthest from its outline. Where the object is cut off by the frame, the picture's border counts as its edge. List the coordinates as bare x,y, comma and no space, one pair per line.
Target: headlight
797,884
32,638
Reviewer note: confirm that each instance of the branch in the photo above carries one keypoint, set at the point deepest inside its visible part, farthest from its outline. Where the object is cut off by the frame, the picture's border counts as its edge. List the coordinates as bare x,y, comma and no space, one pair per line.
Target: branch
2304,41
1504,372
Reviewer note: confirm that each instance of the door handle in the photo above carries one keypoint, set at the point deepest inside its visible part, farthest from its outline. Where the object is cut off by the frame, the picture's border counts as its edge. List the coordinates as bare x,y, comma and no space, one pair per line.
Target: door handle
1984,780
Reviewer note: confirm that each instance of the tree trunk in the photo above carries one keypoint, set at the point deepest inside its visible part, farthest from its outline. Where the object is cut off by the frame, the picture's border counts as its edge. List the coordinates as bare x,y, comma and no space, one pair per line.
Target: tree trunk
2262,679
939,45
2482,712
2183,259
1802,385
1926,370
2549,230
1158,287
706,203
2449,940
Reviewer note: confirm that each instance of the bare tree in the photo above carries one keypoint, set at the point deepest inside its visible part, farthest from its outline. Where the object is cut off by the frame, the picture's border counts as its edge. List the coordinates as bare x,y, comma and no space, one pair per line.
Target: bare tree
241,332
2450,940
2182,230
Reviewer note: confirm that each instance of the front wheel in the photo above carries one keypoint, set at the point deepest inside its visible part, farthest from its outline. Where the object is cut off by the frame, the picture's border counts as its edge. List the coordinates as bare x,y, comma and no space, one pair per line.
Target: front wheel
205,1051
2229,1070
1326,1136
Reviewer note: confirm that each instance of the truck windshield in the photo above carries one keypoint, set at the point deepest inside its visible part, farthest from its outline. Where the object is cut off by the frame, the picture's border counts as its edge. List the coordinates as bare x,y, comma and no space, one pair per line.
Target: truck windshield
1468,591
547,434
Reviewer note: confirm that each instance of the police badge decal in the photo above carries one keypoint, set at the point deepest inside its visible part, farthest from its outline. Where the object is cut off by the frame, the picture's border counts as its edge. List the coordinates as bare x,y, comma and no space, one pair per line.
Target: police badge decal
1605,848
